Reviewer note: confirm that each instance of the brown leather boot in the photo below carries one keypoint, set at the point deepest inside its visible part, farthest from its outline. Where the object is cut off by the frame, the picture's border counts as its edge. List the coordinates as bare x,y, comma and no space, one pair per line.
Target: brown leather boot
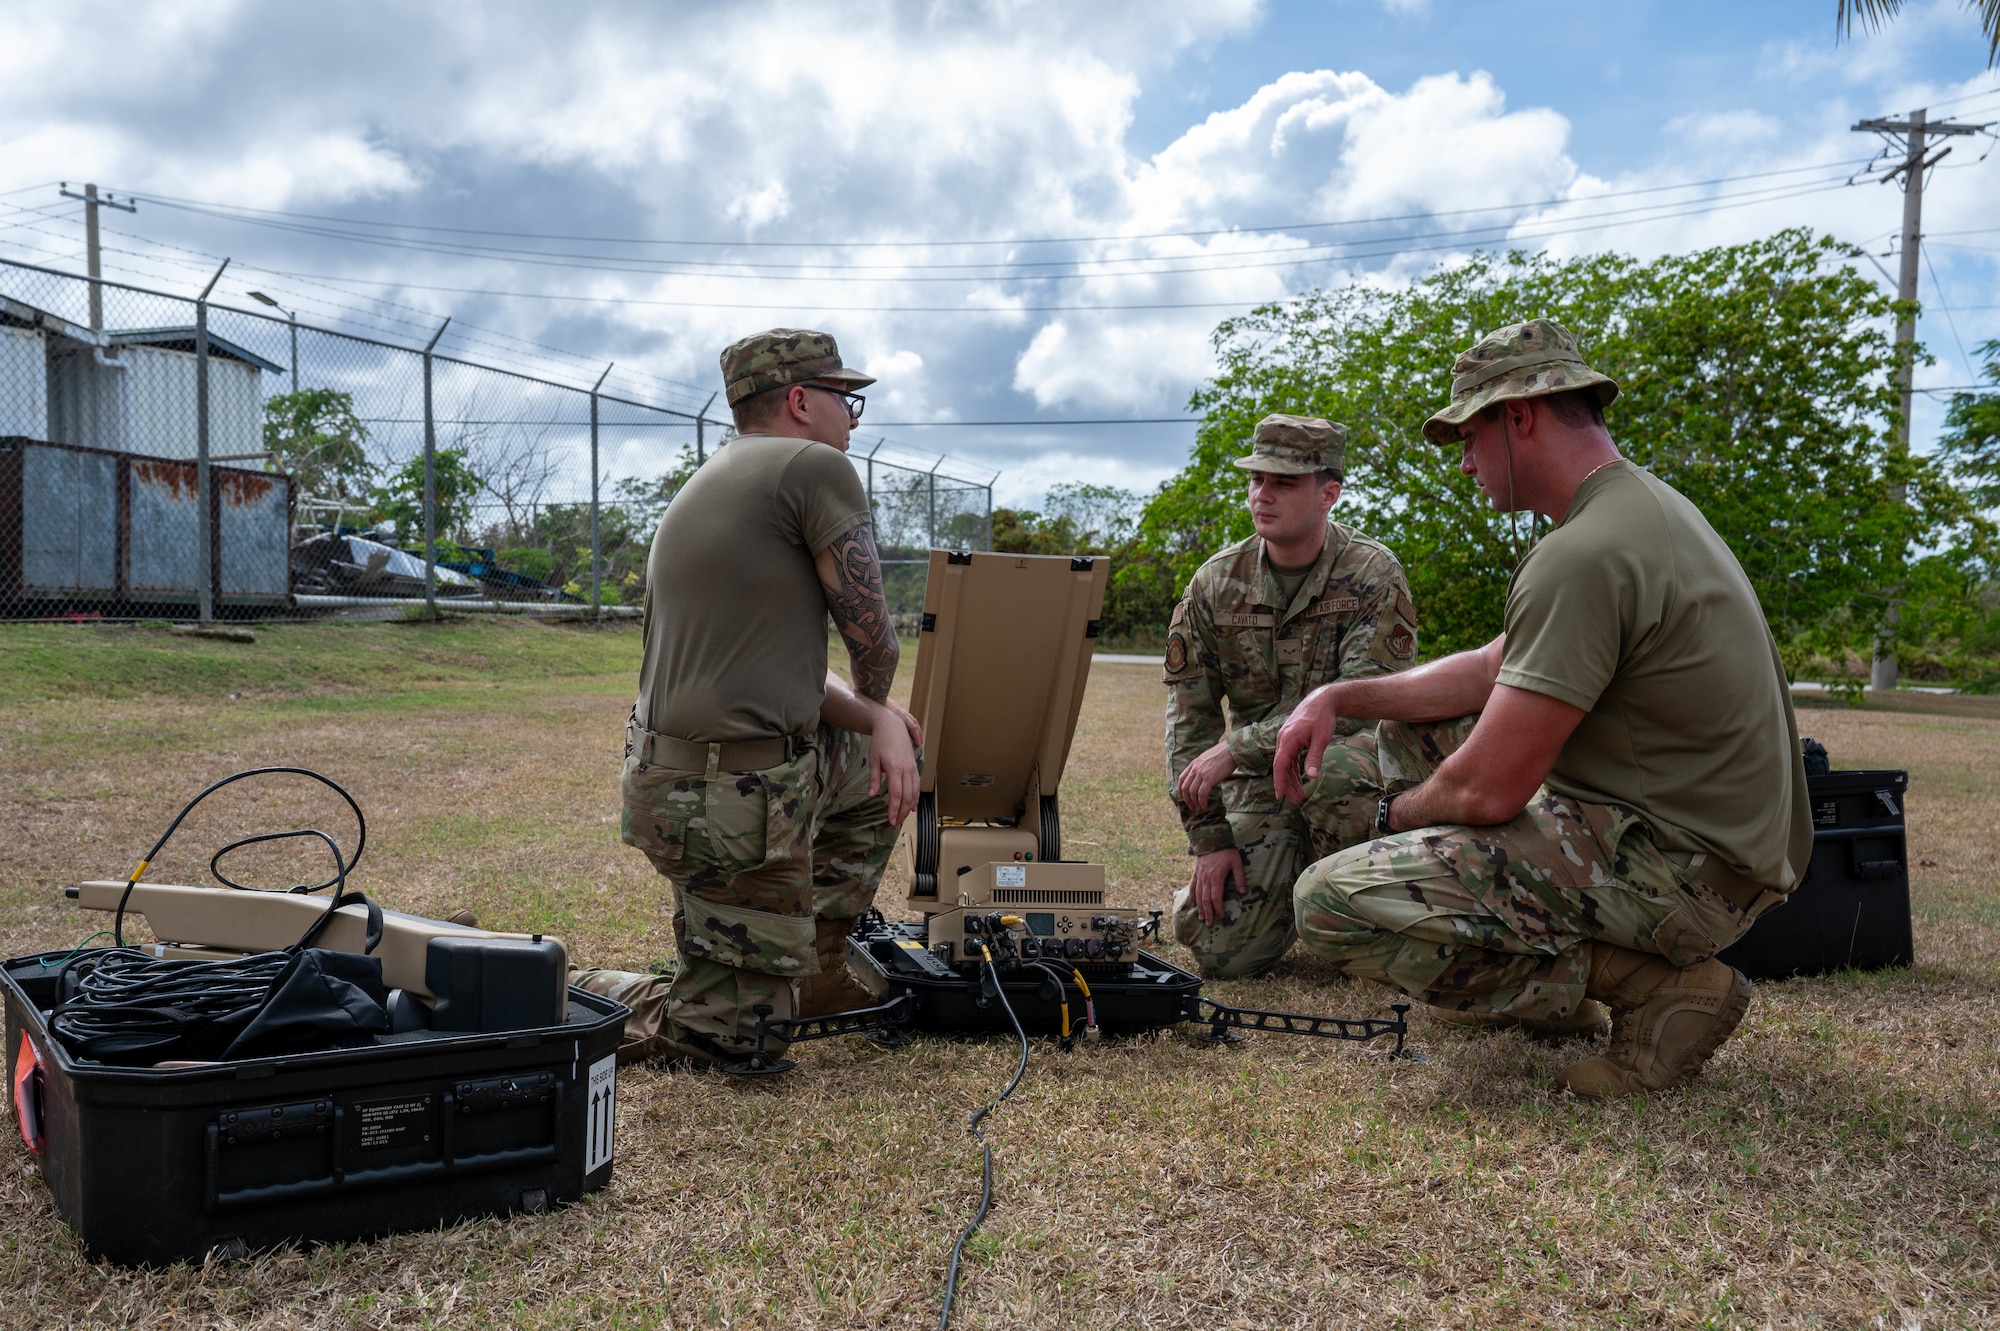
1665,1022
834,989
1590,1020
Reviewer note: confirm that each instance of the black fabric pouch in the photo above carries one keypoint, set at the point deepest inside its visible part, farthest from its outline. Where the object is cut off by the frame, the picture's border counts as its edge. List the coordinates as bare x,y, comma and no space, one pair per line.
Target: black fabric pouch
322,1000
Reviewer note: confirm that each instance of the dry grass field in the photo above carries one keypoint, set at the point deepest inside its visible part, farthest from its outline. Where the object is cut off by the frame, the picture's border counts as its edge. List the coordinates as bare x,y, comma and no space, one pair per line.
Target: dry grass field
1837,1166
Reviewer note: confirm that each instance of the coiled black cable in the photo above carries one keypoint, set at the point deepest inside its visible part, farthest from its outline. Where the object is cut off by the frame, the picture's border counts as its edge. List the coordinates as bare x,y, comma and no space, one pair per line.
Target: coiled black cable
341,866
126,1002
986,1148
121,999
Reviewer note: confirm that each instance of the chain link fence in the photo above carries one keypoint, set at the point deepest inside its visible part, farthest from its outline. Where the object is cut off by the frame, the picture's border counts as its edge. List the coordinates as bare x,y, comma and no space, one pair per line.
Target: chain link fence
168,457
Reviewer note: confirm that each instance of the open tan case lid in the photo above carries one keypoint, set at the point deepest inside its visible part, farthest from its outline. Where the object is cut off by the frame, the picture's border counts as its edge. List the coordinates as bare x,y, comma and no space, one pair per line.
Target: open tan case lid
1001,670
1001,665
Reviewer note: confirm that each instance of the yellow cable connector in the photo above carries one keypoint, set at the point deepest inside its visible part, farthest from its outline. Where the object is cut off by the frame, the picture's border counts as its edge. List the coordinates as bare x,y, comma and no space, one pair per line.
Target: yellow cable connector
1080,982
1010,921
138,871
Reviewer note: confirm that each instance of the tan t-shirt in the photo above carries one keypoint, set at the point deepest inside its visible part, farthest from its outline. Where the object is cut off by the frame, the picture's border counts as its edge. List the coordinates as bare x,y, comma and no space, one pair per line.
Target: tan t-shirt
735,619
1636,611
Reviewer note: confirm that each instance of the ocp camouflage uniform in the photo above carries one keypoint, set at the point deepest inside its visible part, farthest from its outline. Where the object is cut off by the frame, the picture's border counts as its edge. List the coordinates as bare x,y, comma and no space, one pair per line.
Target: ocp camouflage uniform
1500,919
770,869
1233,639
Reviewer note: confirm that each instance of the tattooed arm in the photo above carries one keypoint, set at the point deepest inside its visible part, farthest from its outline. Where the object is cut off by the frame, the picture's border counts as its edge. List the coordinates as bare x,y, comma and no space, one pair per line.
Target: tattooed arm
851,576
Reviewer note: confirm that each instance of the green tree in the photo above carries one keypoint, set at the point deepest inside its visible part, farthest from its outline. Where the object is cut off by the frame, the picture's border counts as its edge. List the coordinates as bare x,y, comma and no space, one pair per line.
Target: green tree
1970,445
399,500
1756,380
315,436
1023,531
1103,516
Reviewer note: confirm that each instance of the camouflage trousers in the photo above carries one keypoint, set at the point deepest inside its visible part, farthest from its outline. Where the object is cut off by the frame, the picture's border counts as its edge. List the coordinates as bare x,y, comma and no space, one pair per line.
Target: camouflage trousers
1278,840
767,867
1502,919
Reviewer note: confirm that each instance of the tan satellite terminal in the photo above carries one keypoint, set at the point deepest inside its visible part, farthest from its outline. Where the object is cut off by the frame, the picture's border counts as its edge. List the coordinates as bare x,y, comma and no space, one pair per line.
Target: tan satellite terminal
1002,661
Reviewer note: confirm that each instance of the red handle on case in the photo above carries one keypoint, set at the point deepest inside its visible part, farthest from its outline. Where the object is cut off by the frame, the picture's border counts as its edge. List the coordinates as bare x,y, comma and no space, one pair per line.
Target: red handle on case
28,1077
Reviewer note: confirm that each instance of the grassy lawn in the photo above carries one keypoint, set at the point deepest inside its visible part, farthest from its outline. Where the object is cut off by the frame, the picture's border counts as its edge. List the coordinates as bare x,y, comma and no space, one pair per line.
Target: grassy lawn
1837,1166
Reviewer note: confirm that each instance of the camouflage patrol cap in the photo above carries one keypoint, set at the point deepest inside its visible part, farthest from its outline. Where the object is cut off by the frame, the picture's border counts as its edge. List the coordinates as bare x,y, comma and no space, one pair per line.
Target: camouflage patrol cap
1296,446
1521,360
780,356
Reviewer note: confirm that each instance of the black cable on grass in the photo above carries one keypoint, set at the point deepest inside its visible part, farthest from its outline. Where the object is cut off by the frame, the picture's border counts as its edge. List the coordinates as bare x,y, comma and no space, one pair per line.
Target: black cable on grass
341,866
986,1148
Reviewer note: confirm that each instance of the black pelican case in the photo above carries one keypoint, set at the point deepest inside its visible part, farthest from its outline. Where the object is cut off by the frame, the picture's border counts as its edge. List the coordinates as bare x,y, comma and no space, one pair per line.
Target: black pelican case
1853,907
151,1166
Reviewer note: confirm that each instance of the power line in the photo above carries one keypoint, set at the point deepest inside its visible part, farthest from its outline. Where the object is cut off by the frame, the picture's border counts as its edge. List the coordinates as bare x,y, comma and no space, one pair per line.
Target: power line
1010,270
193,204
1004,310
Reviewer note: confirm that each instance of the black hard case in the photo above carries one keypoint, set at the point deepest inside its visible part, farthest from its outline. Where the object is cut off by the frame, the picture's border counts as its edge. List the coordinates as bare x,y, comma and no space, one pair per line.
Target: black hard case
151,1166
1853,907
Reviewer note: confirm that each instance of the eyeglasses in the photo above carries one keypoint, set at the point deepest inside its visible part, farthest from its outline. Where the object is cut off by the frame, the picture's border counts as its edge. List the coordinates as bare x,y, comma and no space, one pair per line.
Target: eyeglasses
855,402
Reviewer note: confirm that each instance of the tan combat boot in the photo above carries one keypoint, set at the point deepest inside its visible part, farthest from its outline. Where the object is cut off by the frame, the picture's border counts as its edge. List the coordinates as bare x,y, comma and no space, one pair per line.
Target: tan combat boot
1665,1021
834,989
1590,1020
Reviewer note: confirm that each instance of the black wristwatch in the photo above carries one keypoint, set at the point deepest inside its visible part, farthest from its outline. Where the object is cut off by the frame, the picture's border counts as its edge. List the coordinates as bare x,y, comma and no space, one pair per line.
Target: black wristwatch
1382,827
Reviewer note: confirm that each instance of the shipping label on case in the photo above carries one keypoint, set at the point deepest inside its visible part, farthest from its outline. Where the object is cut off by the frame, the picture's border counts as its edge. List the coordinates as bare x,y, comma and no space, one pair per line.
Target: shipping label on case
601,1117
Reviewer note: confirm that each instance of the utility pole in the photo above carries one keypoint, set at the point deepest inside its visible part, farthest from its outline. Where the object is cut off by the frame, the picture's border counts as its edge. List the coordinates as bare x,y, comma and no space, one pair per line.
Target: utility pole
92,258
1914,132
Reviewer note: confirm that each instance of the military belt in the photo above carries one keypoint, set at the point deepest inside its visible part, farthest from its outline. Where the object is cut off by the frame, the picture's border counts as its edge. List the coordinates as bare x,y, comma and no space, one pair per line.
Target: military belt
743,755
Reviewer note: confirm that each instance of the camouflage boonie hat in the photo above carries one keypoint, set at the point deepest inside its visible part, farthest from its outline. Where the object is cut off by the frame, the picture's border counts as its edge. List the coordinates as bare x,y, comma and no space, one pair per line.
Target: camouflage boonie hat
1296,446
1521,360
780,356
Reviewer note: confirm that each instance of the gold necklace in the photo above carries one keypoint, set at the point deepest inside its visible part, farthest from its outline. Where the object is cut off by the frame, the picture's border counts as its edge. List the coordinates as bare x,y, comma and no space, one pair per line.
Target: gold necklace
1594,470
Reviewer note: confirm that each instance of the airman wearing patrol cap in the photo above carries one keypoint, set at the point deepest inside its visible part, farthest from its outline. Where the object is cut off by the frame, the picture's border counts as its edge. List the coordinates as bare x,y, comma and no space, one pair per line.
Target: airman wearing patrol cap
1301,602
764,786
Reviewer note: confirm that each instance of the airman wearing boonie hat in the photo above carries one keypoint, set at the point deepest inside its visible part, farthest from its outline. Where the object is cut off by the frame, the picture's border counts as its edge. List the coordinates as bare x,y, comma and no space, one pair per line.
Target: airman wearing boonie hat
1623,794
760,783
1300,602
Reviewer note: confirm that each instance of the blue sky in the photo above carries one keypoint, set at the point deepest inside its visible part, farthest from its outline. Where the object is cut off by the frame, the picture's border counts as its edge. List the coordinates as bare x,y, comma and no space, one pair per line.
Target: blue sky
924,124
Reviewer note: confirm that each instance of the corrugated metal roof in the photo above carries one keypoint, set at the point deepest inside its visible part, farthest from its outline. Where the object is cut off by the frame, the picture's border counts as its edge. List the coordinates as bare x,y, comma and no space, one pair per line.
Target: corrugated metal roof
182,339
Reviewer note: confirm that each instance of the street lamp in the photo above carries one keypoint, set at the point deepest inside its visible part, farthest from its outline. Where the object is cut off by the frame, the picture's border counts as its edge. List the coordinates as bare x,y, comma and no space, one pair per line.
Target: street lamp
292,319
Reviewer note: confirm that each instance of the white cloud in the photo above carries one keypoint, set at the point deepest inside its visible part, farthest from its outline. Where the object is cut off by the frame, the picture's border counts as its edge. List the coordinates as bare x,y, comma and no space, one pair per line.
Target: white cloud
912,122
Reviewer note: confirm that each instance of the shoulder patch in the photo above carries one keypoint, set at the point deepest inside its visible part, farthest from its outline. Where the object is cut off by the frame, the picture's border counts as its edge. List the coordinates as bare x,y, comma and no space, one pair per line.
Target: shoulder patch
1406,609
1402,643
1177,653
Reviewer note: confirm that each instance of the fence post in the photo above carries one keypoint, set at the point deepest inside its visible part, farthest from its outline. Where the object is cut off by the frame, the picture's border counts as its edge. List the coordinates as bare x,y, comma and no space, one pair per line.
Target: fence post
930,479
700,431
596,552
430,481
204,490
989,515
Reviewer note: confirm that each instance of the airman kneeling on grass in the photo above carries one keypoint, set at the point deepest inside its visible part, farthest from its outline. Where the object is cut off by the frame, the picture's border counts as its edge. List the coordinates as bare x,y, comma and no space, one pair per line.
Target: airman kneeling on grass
1630,796
1302,601
764,787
